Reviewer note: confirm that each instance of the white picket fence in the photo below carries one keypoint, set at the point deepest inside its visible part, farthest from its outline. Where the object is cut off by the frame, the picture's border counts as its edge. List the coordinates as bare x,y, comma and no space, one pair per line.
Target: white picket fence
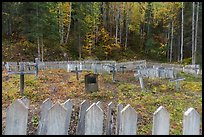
55,119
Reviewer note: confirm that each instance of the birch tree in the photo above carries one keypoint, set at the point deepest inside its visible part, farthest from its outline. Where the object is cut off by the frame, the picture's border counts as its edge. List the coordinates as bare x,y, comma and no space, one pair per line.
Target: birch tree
196,32
182,32
116,24
38,38
172,36
193,35
70,16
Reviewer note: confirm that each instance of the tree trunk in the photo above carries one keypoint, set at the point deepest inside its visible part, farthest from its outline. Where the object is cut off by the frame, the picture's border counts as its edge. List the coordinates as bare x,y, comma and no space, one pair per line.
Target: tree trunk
70,15
121,20
196,31
116,30
42,48
104,15
79,42
61,28
110,19
126,31
172,36
182,33
193,36
38,39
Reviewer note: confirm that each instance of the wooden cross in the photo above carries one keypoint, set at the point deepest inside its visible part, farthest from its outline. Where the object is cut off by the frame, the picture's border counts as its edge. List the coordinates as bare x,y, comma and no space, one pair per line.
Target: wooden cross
77,72
123,67
141,80
177,82
113,72
21,73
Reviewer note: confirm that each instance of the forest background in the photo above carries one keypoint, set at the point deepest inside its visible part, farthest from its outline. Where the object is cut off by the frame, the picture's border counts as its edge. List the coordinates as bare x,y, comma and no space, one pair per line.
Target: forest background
56,31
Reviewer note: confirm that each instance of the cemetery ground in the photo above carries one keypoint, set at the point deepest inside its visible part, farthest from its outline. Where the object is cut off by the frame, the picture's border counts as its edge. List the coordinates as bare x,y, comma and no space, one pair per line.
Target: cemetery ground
59,85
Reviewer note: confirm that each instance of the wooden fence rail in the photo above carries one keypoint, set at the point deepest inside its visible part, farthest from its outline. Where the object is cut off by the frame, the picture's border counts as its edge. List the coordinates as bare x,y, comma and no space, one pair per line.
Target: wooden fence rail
55,119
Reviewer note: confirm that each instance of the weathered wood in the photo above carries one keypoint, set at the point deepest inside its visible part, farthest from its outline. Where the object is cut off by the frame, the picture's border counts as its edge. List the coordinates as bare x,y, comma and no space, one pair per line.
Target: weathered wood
191,122
99,104
68,105
46,105
160,122
16,118
94,120
81,123
119,109
56,120
128,122
109,122
25,101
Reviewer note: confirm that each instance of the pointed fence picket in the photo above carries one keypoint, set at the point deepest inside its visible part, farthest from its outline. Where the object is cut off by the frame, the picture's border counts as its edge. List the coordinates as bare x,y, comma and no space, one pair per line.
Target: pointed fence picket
17,118
94,120
109,121
128,121
55,119
81,124
46,105
68,105
191,122
160,122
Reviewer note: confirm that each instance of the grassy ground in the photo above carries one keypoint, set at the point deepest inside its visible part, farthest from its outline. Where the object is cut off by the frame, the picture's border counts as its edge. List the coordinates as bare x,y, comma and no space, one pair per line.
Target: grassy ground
60,85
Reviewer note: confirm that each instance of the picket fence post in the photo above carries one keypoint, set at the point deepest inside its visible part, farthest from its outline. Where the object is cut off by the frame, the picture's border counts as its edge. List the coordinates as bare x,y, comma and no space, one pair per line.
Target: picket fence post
94,120
56,120
160,122
191,122
128,121
46,105
16,118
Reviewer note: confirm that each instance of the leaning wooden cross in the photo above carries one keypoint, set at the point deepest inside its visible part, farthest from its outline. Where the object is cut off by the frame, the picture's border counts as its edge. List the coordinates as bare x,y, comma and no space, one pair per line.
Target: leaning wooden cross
113,72
177,82
22,72
123,67
77,72
139,75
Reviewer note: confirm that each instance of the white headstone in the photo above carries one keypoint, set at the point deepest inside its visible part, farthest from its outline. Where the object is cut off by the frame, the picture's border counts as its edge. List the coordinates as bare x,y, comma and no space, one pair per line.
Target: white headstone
16,118
191,122
56,120
128,123
94,120
160,122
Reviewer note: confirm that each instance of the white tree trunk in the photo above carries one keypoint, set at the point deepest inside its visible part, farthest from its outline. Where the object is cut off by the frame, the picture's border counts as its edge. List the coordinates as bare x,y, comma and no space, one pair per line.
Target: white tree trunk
104,15
172,36
38,39
182,33
121,20
193,36
116,30
126,31
196,32
42,48
70,15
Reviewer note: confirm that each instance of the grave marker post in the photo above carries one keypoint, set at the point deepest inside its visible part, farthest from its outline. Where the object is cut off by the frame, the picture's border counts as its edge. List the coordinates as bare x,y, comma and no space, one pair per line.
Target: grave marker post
21,79
77,72
122,67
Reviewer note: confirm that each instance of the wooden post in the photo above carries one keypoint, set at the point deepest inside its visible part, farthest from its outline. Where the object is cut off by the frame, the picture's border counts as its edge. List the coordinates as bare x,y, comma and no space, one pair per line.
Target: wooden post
21,79
36,66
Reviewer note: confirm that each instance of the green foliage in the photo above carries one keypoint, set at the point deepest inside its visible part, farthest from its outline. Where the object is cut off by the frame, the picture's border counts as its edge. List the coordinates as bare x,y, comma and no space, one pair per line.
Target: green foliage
93,29
187,61
35,121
